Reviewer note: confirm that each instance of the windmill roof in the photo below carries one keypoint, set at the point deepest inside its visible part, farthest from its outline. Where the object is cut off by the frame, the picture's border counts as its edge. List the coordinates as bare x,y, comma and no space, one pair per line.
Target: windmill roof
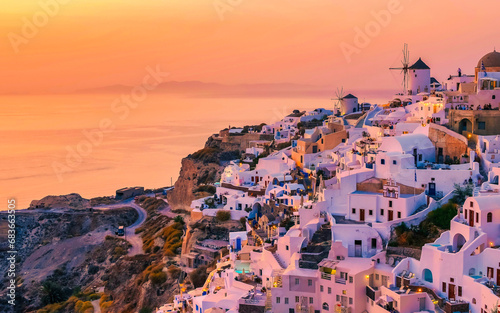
419,65
433,80
350,96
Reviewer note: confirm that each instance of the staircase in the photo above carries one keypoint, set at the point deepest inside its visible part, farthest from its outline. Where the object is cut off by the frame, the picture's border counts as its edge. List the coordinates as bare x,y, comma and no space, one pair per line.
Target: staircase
269,301
278,259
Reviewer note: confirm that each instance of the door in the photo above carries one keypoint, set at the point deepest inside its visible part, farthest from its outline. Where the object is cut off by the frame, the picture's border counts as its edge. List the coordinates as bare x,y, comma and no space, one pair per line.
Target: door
385,280
343,301
432,189
451,291
422,304
391,215
358,252
361,215
498,276
471,218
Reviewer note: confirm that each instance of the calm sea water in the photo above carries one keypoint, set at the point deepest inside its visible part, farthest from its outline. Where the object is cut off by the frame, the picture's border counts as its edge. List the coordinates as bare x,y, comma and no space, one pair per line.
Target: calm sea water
46,148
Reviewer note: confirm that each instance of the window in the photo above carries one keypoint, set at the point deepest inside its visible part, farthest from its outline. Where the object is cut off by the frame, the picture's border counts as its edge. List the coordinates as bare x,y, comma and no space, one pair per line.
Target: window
350,300
338,298
443,289
353,211
309,282
287,248
382,161
394,162
321,288
297,281
374,243
297,299
326,307
286,300
477,217
329,290
399,214
489,217
459,291
420,157
370,212
278,300
481,125
376,275
381,211
350,279
390,203
311,300
260,272
471,204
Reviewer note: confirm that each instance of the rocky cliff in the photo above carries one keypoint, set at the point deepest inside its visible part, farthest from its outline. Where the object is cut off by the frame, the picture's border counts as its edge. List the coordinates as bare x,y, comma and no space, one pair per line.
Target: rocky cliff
206,165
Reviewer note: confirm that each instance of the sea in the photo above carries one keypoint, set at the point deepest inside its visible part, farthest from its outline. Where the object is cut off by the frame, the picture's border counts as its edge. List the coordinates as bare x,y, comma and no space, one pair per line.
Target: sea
93,144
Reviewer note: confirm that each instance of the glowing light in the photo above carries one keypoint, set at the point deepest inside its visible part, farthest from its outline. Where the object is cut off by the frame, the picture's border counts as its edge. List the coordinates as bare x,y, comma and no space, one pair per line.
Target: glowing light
469,135
367,276
419,289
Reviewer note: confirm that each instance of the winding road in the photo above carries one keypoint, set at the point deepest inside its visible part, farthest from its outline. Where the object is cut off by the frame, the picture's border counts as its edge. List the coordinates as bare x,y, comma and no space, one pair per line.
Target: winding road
130,235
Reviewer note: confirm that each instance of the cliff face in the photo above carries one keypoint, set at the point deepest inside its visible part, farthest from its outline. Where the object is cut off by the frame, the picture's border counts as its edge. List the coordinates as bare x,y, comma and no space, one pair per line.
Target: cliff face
206,165
193,172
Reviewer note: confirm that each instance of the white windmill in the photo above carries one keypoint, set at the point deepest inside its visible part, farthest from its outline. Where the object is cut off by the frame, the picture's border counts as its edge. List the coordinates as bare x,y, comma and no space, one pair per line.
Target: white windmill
405,65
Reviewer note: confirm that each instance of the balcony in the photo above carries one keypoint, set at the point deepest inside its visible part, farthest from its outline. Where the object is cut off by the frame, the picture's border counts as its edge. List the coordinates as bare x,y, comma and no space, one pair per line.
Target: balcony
340,280
326,276
373,292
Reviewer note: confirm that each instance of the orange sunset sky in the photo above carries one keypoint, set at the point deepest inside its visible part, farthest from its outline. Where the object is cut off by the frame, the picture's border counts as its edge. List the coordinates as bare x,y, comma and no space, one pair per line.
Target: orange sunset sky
95,43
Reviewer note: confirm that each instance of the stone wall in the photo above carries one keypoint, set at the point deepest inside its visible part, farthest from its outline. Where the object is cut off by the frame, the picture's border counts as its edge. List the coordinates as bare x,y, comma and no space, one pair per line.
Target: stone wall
452,145
405,251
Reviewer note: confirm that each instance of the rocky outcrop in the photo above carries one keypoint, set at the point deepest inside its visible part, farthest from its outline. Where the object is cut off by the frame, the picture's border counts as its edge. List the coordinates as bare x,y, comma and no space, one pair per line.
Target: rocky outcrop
206,165
193,173
70,201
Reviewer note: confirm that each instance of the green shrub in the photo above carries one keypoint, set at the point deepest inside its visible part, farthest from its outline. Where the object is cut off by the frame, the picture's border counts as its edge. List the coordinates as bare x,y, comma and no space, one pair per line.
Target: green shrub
223,215
442,216
198,276
158,278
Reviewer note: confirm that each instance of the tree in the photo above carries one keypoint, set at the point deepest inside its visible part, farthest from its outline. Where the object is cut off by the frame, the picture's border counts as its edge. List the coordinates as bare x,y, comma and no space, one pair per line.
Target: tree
198,276
52,292
179,219
243,221
461,193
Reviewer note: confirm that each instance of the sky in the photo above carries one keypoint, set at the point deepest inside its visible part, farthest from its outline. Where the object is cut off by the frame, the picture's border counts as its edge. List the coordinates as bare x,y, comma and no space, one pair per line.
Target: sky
51,46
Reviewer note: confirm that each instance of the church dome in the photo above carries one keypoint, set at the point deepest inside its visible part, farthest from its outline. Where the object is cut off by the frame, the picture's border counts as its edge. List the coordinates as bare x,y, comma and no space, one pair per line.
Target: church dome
491,59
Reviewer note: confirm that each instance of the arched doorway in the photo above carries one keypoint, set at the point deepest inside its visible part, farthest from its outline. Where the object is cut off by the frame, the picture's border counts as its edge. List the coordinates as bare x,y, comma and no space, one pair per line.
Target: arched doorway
465,125
256,212
458,242
427,275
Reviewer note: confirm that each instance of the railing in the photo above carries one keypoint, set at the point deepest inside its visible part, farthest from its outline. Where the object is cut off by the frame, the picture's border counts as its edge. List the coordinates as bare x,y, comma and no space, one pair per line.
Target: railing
340,281
370,293
326,276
